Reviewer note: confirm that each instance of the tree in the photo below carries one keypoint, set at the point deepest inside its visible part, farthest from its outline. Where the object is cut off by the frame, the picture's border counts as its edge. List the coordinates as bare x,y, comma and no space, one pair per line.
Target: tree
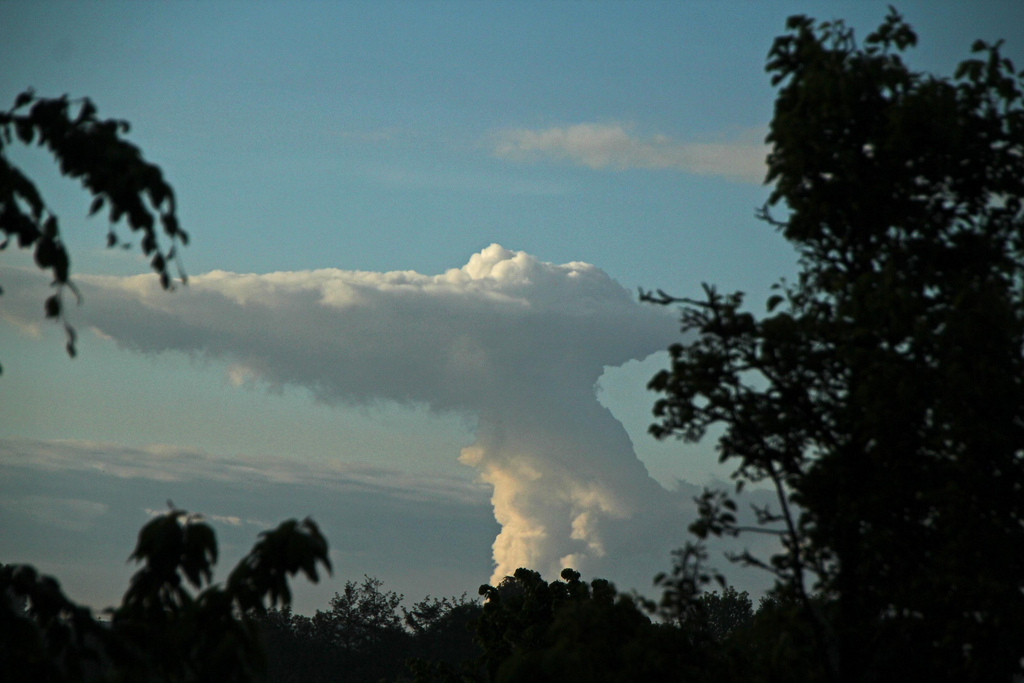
162,631
724,613
363,638
531,630
361,617
882,394
91,150
443,638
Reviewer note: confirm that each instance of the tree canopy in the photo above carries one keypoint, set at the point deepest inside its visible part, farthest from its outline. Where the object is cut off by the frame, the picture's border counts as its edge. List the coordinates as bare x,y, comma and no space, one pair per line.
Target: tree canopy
882,393
532,630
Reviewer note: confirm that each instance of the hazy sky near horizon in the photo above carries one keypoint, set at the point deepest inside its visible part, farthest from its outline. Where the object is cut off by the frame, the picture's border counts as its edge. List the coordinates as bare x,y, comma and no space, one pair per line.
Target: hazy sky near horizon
356,345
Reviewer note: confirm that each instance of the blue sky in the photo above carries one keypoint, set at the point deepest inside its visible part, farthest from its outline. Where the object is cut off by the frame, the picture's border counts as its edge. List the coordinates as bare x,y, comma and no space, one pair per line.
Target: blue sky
376,138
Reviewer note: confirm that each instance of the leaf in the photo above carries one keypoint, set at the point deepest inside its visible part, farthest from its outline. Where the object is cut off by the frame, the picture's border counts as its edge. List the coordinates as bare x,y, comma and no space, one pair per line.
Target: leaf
170,223
773,301
24,98
50,227
52,306
61,264
88,111
46,252
24,129
96,205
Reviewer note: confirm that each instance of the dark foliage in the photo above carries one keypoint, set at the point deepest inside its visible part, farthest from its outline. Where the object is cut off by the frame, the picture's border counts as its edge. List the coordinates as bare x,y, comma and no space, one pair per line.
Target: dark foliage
113,171
883,392
172,624
531,630
723,614
368,636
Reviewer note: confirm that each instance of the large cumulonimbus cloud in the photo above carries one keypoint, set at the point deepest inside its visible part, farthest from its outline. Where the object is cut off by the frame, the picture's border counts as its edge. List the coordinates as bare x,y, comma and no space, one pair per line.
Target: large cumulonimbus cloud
515,341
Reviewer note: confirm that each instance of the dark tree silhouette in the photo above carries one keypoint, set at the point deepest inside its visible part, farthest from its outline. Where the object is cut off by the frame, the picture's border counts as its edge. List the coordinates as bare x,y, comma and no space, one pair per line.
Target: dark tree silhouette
367,635
723,613
172,624
361,617
882,394
531,630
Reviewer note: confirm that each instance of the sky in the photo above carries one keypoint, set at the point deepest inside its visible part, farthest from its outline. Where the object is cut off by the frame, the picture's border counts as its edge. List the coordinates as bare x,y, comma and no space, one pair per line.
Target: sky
417,234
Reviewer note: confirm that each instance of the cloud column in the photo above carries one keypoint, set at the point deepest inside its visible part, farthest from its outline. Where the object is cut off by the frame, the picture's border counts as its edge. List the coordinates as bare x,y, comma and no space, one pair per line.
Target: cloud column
516,342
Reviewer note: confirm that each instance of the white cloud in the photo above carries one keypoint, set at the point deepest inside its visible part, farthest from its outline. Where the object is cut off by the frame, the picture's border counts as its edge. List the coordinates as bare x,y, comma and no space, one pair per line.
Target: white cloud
515,342
600,146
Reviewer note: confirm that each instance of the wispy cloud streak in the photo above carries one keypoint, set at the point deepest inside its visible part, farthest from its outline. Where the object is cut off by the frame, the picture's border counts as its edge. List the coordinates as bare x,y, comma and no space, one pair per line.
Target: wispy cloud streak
614,146
174,464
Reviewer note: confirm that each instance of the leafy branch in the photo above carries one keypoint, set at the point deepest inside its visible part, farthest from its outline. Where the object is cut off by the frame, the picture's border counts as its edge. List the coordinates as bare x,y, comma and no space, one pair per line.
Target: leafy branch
111,169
